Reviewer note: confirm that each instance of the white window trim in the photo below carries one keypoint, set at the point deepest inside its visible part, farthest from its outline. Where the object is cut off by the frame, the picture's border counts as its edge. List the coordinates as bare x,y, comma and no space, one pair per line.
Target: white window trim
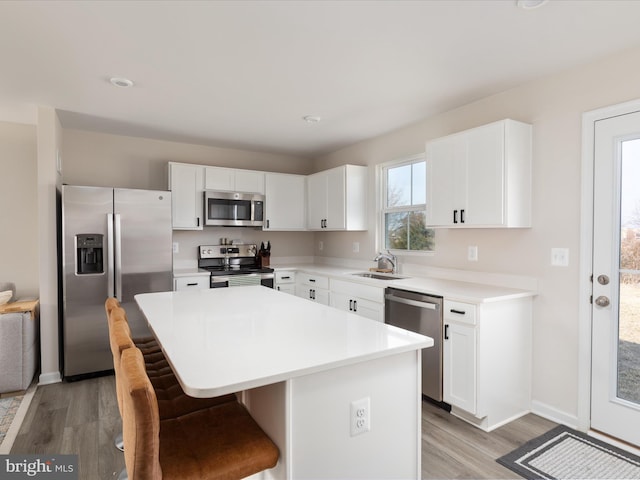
381,195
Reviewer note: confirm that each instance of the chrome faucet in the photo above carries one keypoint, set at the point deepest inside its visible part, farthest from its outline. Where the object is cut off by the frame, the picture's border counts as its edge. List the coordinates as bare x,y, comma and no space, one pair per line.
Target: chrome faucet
387,257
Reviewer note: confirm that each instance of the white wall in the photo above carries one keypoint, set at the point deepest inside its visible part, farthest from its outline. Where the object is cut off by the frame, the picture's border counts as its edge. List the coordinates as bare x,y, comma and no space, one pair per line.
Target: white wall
18,208
98,159
554,106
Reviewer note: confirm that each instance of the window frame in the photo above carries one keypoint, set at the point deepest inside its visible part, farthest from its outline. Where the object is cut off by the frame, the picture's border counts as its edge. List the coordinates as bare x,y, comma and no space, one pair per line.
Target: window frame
381,194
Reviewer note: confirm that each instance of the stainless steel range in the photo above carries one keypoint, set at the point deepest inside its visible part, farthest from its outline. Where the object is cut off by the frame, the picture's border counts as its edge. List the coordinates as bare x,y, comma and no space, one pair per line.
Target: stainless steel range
234,265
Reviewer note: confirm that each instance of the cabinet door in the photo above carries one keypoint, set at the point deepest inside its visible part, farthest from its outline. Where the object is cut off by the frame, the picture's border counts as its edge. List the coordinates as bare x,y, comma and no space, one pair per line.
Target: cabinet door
359,306
185,183
220,178
285,202
336,199
459,366
289,288
321,295
316,200
446,180
248,181
485,171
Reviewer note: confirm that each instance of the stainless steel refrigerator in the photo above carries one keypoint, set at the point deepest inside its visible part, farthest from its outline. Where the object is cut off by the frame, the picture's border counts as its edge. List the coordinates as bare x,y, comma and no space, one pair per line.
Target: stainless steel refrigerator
114,242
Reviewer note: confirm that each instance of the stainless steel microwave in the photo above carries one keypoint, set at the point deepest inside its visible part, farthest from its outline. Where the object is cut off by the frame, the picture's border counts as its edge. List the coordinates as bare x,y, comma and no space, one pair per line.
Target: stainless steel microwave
230,209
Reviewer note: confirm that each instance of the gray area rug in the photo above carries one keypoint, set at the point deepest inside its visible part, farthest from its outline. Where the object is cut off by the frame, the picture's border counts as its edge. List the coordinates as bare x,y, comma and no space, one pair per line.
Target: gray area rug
563,453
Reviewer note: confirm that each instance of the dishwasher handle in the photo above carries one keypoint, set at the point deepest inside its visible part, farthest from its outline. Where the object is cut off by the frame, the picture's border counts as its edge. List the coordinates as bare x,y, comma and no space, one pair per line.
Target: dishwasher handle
413,303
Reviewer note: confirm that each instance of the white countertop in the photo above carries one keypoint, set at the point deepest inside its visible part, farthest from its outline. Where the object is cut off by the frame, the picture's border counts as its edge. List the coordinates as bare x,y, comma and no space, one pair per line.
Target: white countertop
190,272
225,340
449,289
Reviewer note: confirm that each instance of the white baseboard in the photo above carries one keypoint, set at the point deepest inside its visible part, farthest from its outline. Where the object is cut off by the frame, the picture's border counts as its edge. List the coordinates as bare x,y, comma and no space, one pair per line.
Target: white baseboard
551,413
47,378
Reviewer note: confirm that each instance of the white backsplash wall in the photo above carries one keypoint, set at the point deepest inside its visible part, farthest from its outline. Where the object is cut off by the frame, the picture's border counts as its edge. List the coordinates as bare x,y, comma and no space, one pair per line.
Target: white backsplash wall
283,244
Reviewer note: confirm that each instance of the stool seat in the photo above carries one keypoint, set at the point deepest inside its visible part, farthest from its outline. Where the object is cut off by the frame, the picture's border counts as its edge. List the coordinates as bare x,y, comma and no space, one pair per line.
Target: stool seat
222,442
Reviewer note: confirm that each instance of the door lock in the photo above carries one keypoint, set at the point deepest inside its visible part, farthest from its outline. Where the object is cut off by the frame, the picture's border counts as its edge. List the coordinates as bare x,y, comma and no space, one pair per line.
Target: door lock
603,280
602,301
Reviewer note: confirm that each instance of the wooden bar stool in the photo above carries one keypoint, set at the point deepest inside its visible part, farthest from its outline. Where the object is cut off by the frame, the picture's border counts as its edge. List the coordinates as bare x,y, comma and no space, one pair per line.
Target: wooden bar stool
220,442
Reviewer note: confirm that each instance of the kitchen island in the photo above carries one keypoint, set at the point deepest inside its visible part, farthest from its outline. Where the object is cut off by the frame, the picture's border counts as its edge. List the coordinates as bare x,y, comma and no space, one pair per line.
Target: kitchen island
339,394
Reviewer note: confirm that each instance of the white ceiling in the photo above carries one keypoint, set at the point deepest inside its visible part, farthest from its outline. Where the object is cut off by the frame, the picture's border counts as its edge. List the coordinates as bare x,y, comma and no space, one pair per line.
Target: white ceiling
244,73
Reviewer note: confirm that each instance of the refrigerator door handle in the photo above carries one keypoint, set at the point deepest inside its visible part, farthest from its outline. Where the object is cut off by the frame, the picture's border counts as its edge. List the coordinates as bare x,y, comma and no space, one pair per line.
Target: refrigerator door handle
118,255
109,259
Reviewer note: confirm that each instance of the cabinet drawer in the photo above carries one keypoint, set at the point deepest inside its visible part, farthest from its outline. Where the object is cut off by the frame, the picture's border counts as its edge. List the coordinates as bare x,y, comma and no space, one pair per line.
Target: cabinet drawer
317,281
186,283
285,277
459,312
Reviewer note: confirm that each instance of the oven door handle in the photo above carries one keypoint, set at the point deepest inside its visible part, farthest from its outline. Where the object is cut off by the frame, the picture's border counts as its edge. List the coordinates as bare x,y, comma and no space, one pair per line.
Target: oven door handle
413,303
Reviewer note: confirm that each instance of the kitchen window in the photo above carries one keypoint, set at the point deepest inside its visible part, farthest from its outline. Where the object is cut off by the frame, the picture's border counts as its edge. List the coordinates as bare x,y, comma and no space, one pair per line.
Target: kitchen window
404,203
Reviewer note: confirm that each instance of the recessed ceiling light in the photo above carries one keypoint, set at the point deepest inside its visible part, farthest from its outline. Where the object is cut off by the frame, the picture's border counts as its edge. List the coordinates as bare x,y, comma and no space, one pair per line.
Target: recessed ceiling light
530,4
311,118
121,82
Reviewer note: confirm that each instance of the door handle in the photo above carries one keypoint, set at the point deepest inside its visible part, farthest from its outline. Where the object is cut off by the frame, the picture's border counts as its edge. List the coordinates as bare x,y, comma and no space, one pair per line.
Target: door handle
110,257
603,280
413,303
602,301
117,233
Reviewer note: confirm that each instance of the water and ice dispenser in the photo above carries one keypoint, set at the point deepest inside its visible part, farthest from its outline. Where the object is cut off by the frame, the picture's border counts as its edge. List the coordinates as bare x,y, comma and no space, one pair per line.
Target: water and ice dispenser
89,253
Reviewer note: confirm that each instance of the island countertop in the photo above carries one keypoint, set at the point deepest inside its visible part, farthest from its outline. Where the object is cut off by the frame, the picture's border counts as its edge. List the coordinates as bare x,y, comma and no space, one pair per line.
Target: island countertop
226,340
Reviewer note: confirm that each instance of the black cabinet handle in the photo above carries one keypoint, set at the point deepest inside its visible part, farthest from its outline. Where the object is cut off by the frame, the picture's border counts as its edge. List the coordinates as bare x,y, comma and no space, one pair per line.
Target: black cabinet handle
285,278
455,216
192,284
312,280
446,332
350,305
461,216
459,312
197,221
267,223
355,305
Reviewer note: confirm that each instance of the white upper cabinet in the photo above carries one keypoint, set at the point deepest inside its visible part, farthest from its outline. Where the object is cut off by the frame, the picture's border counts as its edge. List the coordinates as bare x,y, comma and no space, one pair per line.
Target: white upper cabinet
336,199
186,185
284,202
480,177
234,180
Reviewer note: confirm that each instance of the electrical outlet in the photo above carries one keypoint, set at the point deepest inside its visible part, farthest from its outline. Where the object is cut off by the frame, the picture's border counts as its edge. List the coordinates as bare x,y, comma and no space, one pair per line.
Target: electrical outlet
356,247
176,247
360,416
560,257
472,254
320,245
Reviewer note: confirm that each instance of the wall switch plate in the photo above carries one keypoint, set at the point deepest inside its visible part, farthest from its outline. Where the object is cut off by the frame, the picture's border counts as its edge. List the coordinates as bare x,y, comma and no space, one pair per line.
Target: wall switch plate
472,253
360,416
176,247
356,247
560,257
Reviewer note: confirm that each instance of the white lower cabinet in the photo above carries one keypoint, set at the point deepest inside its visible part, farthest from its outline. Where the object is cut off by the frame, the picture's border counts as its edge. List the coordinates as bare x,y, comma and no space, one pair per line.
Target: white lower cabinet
285,281
459,356
364,300
487,360
313,287
191,283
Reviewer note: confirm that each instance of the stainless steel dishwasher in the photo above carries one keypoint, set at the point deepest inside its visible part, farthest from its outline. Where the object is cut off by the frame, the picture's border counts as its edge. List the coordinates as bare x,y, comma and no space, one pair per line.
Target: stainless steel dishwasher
422,314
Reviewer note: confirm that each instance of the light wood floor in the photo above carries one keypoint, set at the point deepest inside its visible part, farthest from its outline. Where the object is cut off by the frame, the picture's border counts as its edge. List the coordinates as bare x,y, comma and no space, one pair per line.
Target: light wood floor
82,417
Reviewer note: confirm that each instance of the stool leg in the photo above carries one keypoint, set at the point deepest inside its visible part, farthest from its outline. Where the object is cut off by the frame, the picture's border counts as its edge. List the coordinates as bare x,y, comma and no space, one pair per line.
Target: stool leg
119,442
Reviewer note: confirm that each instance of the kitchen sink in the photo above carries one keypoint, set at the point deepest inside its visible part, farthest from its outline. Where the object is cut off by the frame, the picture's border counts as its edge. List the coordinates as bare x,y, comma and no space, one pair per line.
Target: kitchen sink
376,276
